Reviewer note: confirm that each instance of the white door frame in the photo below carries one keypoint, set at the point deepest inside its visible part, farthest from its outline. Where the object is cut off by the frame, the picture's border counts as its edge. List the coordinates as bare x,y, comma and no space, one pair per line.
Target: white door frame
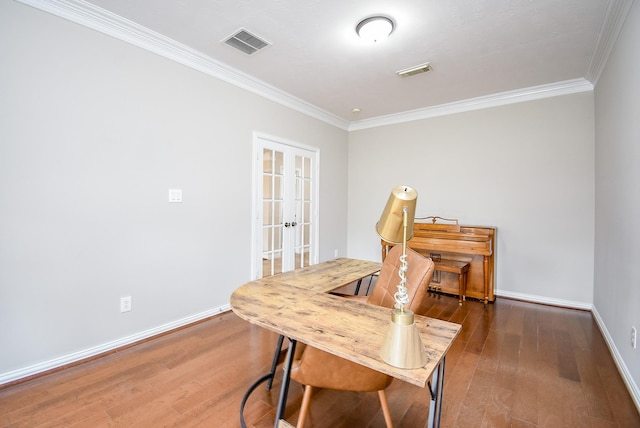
260,142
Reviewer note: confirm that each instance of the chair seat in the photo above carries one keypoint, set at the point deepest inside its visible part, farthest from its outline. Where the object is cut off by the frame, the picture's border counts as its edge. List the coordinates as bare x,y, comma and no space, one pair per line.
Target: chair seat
324,370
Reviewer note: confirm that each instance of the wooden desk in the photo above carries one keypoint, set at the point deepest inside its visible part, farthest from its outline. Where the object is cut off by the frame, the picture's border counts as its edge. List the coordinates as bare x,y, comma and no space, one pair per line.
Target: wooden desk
296,305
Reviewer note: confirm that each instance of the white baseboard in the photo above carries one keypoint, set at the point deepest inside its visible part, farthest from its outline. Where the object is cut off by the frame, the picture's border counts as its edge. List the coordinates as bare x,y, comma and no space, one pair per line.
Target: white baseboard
632,386
106,347
545,300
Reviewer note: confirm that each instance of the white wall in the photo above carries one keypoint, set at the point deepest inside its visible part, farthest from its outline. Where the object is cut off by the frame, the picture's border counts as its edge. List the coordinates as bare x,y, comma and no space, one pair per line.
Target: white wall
93,132
525,168
617,255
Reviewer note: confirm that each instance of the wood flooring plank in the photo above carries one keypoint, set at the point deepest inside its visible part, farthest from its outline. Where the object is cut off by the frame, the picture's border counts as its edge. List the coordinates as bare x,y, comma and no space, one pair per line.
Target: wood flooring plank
505,375
482,328
498,411
367,410
152,414
400,397
457,384
453,356
567,365
550,400
525,392
515,423
330,408
490,356
601,423
594,390
514,323
94,416
415,415
476,400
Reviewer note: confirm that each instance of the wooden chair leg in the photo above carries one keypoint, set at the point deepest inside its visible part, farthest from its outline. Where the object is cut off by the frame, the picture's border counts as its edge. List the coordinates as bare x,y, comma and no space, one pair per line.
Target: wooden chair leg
304,407
385,408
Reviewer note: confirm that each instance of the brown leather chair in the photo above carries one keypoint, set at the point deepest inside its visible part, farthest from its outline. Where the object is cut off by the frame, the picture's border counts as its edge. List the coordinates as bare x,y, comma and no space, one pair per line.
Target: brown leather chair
314,368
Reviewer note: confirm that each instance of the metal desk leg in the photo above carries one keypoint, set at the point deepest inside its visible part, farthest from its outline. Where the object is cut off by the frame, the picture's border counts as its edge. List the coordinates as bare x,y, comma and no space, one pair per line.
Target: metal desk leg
268,378
435,389
358,287
274,363
284,390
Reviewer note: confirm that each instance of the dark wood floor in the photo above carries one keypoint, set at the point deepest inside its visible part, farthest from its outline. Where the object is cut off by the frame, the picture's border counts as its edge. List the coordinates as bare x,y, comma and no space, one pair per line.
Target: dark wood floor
514,364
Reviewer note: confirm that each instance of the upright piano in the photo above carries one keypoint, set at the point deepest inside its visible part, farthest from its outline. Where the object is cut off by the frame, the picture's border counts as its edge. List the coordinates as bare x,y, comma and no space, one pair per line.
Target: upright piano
448,240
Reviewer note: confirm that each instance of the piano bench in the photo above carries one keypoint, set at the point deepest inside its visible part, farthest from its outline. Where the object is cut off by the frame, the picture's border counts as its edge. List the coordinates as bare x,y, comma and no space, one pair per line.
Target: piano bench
457,267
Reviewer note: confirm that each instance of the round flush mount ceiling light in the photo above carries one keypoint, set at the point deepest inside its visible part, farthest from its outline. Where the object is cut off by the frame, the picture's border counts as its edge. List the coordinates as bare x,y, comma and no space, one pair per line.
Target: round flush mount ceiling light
375,28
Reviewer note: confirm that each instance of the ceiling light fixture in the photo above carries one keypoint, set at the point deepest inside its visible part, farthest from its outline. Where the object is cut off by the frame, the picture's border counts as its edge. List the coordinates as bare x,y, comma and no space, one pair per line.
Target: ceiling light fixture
375,28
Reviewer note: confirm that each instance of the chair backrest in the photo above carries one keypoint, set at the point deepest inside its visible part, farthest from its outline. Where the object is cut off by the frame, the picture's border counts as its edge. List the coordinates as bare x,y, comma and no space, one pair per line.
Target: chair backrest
419,273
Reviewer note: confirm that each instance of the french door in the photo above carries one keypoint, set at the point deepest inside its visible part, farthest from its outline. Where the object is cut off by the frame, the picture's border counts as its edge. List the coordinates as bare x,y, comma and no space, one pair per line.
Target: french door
285,207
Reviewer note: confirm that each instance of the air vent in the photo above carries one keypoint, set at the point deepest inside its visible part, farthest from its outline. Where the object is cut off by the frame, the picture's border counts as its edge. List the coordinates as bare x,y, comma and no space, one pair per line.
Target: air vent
246,42
411,71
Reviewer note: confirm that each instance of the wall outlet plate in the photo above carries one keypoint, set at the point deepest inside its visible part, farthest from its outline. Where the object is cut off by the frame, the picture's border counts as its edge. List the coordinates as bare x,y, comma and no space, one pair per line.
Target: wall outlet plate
125,304
175,195
634,338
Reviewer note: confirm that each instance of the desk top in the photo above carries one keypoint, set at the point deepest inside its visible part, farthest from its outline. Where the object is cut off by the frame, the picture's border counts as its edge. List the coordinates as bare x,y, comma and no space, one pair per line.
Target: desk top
295,304
326,276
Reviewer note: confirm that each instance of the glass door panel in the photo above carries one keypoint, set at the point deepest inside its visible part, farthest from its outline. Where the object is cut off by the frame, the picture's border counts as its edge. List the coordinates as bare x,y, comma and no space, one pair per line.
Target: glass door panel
272,212
303,201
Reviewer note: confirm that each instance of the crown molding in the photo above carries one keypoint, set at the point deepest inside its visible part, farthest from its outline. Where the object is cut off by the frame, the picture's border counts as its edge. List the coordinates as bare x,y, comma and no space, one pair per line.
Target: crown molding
101,20
503,98
617,12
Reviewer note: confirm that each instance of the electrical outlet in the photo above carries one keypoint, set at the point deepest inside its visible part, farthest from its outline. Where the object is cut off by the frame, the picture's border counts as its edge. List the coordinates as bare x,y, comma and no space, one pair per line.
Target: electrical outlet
634,337
175,195
125,304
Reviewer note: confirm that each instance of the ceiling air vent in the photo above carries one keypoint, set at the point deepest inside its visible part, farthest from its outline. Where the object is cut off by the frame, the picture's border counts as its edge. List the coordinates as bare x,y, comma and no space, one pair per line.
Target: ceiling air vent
246,42
411,71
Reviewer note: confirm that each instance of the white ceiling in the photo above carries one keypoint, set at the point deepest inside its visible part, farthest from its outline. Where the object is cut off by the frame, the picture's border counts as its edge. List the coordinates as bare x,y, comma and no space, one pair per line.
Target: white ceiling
476,48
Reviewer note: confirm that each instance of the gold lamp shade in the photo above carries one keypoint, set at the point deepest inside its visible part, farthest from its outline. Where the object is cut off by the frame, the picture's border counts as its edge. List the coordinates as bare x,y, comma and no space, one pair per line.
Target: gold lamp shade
391,224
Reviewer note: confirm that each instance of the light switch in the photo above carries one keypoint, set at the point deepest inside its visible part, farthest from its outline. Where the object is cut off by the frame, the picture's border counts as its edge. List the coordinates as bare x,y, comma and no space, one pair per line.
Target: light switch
175,195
